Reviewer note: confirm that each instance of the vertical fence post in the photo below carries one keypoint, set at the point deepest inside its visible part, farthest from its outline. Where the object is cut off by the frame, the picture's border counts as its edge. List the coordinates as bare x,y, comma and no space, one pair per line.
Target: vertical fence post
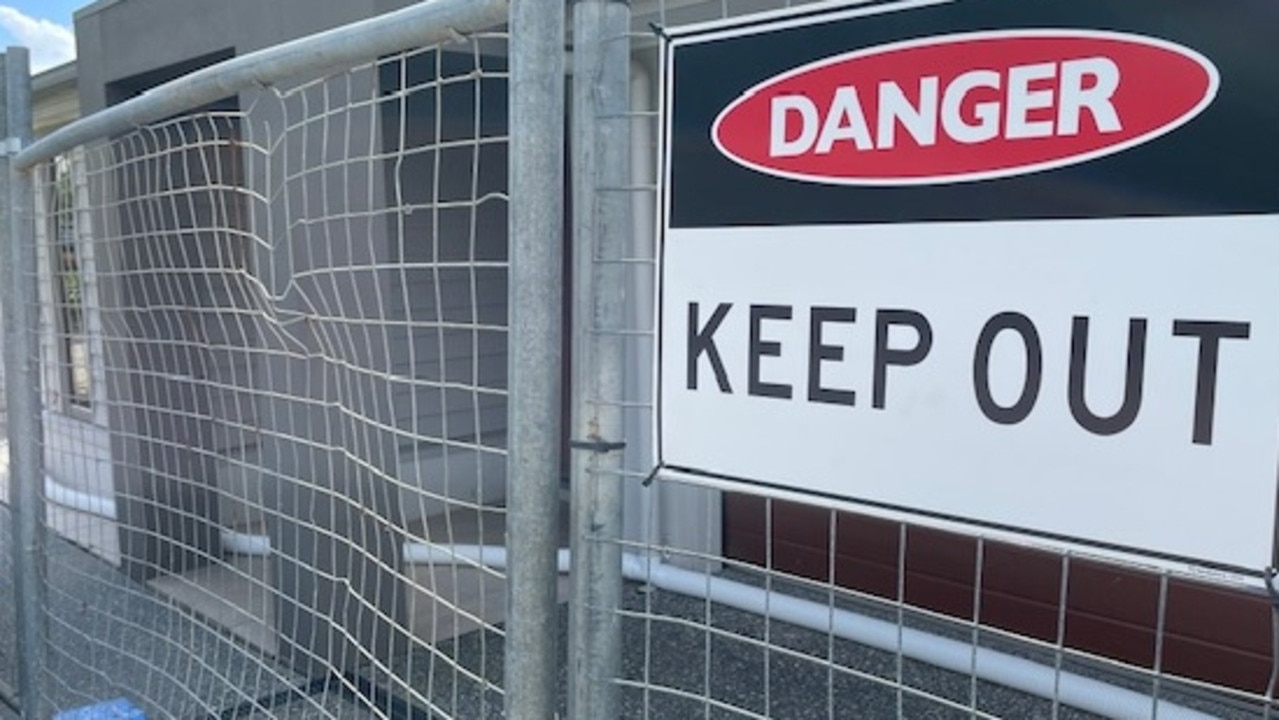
601,126
8,586
535,357
5,158
22,378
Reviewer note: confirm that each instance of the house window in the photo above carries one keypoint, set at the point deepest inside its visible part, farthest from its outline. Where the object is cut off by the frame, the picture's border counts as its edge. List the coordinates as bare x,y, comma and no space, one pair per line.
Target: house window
67,271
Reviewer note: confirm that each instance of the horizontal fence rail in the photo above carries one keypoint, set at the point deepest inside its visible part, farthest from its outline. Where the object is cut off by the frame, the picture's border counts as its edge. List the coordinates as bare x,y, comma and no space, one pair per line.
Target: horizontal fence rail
427,23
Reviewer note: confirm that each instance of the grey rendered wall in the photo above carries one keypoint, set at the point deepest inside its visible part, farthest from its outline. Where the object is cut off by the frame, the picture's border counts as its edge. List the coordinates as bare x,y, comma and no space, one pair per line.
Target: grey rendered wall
170,287
327,452
340,401
450,292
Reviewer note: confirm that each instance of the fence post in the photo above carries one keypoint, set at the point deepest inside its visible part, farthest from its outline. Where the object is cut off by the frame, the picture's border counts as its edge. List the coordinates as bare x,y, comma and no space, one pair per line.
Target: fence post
601,126
22,378
8,691
536,301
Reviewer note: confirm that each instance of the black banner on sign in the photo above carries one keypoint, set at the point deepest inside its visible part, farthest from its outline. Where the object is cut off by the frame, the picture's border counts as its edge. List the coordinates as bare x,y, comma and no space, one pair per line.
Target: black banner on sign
1222,160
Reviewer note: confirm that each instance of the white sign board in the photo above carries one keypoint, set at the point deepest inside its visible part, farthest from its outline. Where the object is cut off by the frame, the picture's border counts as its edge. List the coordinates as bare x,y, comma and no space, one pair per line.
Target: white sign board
989,276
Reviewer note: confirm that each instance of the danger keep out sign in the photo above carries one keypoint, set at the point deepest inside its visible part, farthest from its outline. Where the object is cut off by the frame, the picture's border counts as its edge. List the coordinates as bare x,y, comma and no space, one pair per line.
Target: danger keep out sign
1009,263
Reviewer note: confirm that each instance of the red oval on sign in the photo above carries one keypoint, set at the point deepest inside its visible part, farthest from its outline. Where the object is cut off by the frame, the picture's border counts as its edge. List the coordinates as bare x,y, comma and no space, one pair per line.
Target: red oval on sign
959,108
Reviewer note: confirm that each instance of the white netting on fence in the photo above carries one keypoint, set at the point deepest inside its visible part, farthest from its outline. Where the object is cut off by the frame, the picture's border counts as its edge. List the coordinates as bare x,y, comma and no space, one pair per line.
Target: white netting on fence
273,339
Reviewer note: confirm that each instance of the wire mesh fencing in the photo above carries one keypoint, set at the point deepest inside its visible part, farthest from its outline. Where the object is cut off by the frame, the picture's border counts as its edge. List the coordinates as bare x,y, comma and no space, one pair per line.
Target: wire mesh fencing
272,340
733,602
827,613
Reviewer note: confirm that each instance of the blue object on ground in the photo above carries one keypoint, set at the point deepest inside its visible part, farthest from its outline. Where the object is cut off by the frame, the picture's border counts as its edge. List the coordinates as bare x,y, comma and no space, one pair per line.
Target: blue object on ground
118,709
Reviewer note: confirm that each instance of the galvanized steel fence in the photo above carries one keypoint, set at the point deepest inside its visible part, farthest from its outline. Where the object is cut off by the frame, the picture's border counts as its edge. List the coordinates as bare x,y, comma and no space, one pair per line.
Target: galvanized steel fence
284,361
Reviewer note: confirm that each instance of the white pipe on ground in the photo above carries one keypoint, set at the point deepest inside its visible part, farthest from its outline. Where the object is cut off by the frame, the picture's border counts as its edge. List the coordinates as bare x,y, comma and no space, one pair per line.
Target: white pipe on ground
238,543
491,556
1014,672
65,497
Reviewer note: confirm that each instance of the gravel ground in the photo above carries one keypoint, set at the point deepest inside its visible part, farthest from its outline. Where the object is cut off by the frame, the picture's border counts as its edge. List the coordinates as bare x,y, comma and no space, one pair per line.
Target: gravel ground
334,705
114,637
728,670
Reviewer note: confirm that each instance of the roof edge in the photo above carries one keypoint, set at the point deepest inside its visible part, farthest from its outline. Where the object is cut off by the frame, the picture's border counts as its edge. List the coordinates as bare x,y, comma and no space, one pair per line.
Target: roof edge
64,74
93,8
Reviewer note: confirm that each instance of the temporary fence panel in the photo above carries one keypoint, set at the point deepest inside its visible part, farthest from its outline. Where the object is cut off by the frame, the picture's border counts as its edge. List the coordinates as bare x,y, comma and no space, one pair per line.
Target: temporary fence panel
284,406
274,388
740,601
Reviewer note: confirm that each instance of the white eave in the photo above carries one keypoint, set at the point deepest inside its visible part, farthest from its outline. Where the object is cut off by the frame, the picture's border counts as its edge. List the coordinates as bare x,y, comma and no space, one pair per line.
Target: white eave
56,98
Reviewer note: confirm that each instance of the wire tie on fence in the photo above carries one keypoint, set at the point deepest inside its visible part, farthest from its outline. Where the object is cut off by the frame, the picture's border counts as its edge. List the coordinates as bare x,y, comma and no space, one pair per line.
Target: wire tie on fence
648,480
1270,587
455,36
659,31
597,446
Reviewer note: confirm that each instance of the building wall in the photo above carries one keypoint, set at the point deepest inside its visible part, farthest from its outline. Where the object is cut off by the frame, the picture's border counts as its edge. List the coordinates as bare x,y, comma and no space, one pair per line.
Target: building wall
1213,633
108,33
347,360
77,453
55,99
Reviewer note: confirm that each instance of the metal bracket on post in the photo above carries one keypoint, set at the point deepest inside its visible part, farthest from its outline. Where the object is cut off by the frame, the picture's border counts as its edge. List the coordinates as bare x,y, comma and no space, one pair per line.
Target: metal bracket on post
597,446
